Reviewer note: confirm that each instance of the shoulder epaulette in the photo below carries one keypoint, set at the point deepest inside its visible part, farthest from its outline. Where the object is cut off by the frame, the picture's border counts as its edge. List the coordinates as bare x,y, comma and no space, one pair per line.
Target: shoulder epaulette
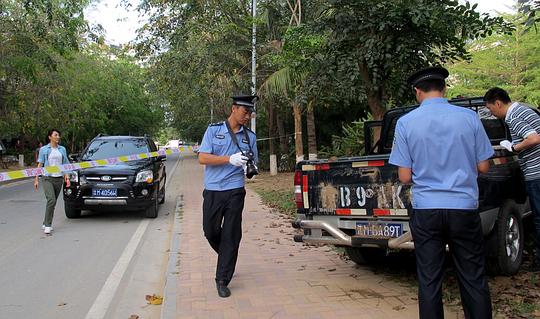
247,128
216,124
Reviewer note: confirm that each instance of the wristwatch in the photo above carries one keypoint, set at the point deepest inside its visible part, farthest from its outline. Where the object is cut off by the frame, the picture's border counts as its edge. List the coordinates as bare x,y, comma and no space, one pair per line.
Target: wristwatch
513,149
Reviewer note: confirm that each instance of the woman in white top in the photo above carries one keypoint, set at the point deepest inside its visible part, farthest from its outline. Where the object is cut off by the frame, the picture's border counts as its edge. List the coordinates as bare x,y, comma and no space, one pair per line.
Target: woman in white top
52,154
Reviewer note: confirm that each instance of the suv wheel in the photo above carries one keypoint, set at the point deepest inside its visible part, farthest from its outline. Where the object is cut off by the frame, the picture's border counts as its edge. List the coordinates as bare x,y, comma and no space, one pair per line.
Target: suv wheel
71,212
508,240
162,193
152,211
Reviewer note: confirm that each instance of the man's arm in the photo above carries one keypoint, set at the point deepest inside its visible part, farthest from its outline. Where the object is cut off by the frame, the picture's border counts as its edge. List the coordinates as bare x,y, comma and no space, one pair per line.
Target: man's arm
530,140
211,159
483,167
405,175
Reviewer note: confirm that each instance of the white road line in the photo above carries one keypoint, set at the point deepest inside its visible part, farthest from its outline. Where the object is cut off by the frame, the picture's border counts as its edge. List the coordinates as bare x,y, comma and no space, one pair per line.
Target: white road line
103,300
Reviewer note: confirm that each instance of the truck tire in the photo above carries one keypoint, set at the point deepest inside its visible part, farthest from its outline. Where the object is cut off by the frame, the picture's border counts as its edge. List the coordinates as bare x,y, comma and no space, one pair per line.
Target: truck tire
71,212
366,255
507,240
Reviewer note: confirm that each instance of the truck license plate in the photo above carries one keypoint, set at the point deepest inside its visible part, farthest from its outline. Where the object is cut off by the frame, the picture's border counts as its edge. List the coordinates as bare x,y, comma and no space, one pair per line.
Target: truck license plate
100,192
378,229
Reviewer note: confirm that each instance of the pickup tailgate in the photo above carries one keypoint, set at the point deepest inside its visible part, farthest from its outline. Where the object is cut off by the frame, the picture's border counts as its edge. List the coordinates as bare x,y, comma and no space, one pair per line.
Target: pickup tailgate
359,186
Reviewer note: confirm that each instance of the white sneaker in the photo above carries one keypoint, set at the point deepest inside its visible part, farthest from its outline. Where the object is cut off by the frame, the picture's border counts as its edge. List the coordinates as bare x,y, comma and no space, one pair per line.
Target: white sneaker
47,230
43,227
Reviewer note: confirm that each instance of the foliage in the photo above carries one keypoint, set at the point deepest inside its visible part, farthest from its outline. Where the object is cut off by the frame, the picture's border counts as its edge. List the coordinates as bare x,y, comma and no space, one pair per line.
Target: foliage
508,61
52,76
199,55
374,45
530,8
351,143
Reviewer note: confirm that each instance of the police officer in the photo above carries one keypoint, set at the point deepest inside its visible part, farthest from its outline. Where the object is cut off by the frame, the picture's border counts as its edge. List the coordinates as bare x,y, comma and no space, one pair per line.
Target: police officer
440,148
226,148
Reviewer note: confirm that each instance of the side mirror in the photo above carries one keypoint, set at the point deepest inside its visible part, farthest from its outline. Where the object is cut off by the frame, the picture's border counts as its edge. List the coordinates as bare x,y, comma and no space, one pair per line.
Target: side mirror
161,158
74,157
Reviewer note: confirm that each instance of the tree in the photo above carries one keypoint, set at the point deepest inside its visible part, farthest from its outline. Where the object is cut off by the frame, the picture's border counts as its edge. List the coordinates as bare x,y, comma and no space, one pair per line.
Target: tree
530,8
506,60
374,45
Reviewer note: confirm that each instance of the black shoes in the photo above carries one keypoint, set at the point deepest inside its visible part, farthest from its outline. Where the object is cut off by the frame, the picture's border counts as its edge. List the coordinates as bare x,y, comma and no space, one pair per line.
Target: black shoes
222,289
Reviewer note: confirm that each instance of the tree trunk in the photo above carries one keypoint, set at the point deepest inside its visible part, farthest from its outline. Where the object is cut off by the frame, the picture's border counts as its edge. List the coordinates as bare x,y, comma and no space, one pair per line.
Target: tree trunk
283,144
271,134
299,145
271,128
310,126
374,99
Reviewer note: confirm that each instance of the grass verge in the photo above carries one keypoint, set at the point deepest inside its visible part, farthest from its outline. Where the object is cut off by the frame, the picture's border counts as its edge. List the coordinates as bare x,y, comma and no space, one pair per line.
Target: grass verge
276,191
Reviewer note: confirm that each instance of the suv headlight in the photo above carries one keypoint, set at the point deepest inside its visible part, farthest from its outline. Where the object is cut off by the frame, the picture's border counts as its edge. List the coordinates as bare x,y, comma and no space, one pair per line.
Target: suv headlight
145,176
73,176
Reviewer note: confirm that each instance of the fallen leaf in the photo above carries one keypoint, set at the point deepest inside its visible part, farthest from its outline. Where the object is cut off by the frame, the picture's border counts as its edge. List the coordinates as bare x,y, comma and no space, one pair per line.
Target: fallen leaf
62,304
398,308
134,317
154,299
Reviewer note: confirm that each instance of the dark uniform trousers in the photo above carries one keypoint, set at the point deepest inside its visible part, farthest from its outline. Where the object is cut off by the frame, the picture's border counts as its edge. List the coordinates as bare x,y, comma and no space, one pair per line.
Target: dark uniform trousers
222,225
432,229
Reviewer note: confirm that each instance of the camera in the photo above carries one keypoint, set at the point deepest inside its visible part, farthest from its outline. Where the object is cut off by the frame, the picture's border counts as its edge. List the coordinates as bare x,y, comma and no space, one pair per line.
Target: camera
251,168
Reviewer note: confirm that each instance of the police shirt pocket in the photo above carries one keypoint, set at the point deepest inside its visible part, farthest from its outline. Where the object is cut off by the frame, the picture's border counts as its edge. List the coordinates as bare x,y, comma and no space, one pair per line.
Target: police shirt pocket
218,144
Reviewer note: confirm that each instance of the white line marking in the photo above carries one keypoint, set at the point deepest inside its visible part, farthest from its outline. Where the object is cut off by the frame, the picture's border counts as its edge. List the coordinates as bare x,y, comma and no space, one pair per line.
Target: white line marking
108,291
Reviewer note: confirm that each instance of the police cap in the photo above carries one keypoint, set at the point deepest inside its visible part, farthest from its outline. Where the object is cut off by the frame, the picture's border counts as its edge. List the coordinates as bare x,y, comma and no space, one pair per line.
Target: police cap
247,101
431,73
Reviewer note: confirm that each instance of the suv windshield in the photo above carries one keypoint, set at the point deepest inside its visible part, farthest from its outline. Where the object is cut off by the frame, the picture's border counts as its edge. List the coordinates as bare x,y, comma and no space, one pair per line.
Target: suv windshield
102,149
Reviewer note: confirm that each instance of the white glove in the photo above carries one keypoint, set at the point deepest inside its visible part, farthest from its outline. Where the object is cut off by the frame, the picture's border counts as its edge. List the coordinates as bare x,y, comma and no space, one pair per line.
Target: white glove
238,159
507,144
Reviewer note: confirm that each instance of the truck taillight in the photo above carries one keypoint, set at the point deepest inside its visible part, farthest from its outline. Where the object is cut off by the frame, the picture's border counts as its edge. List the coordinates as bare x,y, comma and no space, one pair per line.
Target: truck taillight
298,198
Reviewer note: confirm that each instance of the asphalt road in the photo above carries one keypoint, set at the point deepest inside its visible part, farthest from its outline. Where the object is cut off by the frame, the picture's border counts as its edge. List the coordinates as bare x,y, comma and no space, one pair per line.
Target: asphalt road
98,266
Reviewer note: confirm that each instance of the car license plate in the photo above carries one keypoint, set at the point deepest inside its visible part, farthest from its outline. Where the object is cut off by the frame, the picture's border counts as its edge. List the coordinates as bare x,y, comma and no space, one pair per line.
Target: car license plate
378,229
100,192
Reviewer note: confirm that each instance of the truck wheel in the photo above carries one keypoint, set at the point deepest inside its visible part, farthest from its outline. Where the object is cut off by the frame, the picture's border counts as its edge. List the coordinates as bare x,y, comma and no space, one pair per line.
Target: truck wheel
152,211
71,212
366,255
508,237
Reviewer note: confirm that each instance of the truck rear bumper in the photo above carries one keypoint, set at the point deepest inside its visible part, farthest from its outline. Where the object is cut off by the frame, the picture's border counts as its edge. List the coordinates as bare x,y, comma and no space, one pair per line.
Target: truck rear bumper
338,237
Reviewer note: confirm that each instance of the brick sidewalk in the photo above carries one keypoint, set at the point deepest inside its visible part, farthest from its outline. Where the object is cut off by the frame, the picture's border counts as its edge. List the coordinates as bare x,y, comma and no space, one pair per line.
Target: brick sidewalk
275,277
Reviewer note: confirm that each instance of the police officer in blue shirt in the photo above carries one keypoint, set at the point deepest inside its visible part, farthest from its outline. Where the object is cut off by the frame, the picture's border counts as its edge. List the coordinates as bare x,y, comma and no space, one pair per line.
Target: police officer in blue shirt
228,148
440,148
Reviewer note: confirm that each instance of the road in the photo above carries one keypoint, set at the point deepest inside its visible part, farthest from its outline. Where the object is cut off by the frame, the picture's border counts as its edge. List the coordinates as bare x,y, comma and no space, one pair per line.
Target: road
99,266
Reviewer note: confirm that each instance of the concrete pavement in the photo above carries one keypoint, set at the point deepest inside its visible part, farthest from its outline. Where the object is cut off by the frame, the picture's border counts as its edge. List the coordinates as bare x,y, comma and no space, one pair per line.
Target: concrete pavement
275,277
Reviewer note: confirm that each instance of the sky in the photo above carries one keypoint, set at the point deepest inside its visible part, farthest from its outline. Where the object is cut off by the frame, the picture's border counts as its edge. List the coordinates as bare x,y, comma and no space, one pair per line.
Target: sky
121,24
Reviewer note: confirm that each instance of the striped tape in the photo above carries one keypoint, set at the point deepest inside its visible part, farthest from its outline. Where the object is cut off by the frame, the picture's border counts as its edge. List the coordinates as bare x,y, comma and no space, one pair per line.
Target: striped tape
30,172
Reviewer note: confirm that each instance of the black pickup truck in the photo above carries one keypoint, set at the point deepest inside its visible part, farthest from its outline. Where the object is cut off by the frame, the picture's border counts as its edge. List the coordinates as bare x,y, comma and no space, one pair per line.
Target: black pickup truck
359,203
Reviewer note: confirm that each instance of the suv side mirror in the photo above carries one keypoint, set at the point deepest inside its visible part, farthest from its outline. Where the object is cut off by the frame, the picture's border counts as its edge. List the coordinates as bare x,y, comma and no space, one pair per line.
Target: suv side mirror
74,157
161,158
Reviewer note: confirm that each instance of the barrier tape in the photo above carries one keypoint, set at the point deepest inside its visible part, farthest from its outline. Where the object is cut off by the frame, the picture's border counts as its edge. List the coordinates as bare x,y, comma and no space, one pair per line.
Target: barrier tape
30,172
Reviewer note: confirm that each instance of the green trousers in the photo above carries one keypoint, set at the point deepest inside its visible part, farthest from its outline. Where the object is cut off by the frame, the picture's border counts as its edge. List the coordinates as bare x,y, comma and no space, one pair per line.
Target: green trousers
52,186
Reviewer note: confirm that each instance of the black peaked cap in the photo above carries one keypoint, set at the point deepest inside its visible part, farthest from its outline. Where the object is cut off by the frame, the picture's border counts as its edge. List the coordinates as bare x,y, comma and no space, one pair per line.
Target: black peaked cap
247,101
430,73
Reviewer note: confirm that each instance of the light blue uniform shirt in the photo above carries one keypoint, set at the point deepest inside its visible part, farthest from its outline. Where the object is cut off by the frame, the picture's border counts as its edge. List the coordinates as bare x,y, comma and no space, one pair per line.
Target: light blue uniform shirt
45,151
442,144
217,141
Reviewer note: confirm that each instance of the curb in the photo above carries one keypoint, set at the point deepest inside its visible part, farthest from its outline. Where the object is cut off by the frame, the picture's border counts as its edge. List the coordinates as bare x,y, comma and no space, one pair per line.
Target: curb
168,309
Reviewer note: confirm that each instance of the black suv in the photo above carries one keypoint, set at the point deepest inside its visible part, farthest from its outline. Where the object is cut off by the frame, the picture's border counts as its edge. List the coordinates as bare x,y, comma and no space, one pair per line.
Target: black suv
133,185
